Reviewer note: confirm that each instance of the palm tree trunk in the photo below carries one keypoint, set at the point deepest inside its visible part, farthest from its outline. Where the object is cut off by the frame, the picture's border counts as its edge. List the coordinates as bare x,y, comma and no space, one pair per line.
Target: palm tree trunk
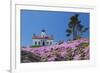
73,33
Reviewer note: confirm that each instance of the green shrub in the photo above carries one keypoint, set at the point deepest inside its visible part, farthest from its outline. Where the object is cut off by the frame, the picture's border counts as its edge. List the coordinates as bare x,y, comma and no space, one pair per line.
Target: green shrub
33,46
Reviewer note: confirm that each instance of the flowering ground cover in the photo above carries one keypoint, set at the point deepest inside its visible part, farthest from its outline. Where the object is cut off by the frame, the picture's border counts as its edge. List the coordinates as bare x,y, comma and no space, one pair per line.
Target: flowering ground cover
70,50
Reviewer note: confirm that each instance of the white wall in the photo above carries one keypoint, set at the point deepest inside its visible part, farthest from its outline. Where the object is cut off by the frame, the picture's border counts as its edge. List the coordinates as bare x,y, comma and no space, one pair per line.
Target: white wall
50,41
36,40
39,40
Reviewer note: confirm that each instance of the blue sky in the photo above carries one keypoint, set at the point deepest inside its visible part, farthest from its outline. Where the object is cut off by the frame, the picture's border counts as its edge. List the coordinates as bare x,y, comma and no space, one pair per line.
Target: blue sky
55,23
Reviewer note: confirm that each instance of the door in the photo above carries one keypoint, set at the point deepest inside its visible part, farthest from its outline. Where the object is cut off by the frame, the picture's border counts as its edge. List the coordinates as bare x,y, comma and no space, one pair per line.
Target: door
43,43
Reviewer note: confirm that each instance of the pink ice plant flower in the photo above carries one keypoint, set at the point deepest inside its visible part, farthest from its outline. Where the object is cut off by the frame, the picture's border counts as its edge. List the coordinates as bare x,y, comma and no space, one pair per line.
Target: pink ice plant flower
50,52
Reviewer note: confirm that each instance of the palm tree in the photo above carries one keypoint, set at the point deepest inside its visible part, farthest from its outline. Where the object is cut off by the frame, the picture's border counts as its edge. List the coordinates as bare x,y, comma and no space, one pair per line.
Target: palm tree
75,27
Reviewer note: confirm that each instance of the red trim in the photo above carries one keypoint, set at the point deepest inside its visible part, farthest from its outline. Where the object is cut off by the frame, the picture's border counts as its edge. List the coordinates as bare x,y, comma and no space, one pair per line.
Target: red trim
39,37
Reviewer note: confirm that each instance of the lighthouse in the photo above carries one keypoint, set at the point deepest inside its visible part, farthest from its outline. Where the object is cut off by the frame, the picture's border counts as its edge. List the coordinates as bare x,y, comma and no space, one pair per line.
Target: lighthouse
43,39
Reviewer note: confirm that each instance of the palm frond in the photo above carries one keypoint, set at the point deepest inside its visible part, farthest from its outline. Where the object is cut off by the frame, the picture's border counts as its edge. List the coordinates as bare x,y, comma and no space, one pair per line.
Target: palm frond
69,31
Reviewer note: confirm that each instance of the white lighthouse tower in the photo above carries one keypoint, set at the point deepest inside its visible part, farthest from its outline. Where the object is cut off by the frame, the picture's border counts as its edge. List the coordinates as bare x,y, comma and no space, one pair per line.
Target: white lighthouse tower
43,33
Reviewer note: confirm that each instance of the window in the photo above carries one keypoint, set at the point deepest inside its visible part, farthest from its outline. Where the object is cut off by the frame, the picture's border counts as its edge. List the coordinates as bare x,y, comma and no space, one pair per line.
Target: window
47,43
39,43
35,43
50,43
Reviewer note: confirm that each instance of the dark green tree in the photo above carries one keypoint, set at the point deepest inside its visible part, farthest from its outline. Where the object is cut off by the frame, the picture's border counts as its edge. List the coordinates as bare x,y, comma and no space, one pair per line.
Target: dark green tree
75,28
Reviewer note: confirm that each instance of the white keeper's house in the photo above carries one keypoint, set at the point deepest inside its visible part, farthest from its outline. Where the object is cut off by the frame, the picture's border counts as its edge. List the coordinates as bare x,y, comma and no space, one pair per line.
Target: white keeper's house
43,39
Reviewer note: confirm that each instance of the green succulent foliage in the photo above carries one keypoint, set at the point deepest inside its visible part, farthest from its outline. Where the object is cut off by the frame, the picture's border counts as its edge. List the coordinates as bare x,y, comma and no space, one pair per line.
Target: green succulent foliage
33,46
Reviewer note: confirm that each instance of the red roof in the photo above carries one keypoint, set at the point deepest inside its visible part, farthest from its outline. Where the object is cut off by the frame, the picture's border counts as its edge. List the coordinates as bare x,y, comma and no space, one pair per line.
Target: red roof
46,37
